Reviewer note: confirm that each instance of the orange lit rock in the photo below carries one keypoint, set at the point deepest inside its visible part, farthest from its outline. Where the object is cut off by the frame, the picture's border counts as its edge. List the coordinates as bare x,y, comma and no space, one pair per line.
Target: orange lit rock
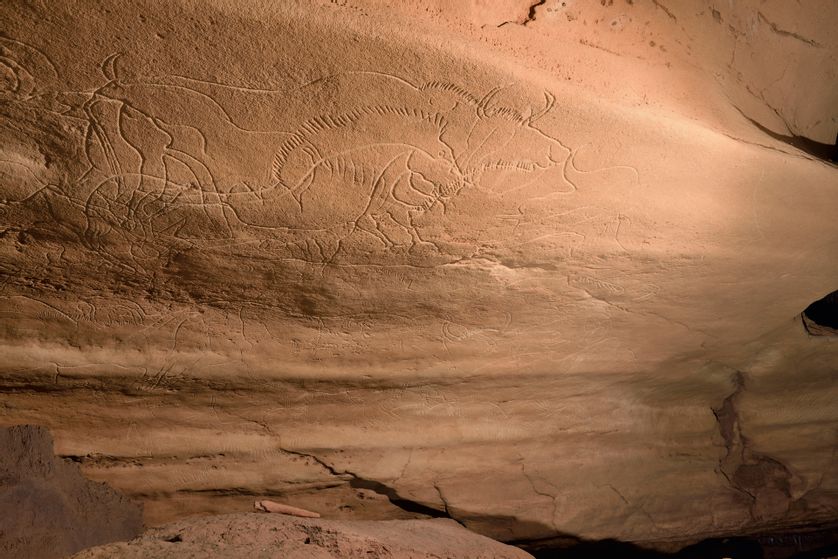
538,268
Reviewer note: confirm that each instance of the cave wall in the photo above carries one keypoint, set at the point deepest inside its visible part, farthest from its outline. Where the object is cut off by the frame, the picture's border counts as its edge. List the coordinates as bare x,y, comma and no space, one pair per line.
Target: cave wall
517,266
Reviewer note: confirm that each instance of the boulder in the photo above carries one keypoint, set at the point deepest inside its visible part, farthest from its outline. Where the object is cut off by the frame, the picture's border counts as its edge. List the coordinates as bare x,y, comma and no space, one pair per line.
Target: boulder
47,508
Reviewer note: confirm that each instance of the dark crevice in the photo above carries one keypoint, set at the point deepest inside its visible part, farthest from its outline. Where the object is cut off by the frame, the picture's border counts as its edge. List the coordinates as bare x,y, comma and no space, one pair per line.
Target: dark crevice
821,317
816,542
531,11
174,539
358,482
528,18
826,152
402,503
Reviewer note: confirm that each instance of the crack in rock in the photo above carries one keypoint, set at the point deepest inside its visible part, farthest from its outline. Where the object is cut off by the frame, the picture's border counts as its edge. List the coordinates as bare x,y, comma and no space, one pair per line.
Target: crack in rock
763,480
785,33
531,12
359,482
530,17
666,10
552,498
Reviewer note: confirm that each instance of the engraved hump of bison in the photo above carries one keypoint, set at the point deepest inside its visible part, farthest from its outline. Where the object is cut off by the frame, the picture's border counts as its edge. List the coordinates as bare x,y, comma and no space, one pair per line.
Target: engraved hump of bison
370,153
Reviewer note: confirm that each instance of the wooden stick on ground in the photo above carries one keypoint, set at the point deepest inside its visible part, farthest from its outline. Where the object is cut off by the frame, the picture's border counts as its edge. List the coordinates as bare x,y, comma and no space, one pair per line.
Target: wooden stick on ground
273,506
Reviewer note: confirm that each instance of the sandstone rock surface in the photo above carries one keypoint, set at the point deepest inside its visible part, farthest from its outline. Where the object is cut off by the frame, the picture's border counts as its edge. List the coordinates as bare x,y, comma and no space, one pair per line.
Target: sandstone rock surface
538,267
271,536
47,508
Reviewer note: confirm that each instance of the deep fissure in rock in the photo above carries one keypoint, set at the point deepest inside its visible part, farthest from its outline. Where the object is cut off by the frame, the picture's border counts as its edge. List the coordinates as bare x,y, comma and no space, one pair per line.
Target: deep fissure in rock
821,317
358,482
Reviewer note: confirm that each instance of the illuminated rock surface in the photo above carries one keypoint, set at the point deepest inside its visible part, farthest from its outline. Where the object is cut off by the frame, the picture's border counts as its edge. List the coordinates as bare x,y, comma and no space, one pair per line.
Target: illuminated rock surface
539,268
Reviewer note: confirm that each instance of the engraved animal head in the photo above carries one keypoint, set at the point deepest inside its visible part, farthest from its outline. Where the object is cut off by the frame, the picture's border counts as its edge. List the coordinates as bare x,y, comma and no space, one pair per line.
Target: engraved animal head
23,69
386,157
502,150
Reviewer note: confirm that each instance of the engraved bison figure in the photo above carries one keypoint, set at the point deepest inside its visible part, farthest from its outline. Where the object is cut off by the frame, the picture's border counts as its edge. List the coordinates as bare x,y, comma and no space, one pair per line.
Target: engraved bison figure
373,152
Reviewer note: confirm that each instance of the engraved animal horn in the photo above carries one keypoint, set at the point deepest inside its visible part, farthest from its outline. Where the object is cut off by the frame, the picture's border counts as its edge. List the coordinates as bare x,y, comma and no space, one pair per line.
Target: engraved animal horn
550,103
484,103
109,66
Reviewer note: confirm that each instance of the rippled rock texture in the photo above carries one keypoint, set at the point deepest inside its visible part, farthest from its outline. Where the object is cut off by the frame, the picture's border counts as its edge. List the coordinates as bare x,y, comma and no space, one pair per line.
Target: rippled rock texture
539,268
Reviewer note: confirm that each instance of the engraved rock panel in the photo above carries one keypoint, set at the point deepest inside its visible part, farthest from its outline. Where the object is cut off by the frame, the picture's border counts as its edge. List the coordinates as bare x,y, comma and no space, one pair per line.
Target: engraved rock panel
523,269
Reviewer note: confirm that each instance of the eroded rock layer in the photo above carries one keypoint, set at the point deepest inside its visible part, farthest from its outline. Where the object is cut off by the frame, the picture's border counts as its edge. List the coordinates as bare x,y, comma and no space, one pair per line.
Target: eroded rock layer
540,271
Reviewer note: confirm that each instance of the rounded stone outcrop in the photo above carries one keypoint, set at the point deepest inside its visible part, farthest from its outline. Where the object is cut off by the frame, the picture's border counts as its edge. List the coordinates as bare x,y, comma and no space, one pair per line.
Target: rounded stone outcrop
277,536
